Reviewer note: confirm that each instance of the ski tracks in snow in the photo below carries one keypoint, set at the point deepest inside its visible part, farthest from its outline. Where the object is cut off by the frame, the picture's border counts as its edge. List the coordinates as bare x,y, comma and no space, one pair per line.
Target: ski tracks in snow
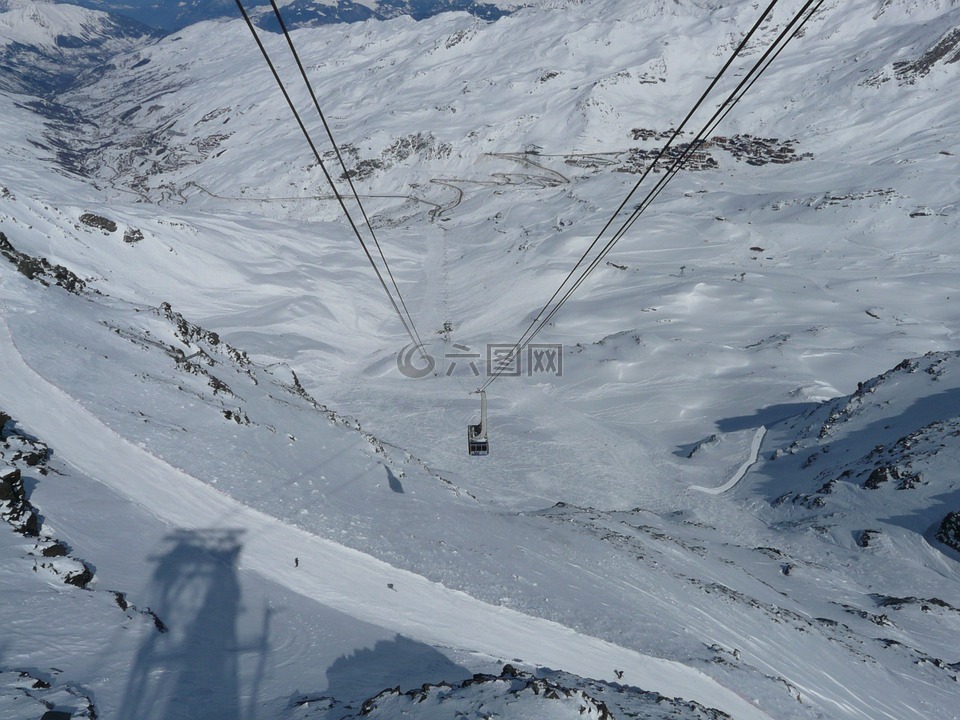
339,577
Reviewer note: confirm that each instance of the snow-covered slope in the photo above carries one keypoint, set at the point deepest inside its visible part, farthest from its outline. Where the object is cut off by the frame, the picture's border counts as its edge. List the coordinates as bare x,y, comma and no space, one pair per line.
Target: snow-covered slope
190,327
47,47
738,246
882,456
297,12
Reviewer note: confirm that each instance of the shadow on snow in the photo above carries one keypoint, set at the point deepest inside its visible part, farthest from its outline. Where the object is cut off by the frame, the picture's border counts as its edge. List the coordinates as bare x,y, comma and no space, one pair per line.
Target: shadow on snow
191,670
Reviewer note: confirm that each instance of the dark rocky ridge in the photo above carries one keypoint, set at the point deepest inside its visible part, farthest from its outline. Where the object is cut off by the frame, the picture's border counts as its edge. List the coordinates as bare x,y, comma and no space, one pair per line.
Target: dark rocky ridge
19,451
41,269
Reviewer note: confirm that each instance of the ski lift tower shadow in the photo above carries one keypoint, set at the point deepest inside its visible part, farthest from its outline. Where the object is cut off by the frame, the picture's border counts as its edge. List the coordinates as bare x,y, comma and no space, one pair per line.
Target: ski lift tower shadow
188,668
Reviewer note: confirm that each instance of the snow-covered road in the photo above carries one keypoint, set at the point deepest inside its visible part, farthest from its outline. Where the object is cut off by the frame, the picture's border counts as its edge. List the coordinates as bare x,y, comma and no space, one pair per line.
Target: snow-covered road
742,470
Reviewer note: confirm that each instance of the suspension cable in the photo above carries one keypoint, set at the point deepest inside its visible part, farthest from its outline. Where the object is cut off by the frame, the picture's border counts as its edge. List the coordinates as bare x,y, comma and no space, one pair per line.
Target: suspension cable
528,334
789,32
408,326
786,35
343,166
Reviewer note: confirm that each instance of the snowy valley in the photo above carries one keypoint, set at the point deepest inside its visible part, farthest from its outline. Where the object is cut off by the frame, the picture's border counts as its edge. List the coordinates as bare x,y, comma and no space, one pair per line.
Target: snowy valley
732,491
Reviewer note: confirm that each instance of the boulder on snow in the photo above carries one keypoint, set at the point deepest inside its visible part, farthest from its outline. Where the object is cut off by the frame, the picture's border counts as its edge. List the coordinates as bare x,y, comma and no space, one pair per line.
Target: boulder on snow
14,506
866,537
99,222
54,549
11,486
81,578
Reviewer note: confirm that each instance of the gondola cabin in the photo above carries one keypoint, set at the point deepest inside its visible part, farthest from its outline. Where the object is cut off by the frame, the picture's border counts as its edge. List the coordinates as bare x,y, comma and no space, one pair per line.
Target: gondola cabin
477,441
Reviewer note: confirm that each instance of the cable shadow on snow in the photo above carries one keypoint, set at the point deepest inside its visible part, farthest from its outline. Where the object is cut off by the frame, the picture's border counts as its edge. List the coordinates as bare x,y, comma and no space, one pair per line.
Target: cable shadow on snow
191,670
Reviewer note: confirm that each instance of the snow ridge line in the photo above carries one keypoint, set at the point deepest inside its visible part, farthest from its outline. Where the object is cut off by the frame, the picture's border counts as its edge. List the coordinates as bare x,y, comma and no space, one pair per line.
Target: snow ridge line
334,575
738,475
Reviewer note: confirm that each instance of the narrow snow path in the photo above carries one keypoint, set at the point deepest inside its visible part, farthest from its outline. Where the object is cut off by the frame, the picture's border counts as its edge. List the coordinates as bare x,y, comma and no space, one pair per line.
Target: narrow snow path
738,475
344,579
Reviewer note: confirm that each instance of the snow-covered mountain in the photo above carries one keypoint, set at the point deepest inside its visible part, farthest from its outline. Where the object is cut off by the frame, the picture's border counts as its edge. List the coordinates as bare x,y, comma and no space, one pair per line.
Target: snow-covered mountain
297,13
46,48
729,493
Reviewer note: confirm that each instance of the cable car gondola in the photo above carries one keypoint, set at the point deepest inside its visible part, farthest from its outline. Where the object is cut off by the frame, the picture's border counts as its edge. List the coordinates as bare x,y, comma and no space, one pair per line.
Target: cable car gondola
477,441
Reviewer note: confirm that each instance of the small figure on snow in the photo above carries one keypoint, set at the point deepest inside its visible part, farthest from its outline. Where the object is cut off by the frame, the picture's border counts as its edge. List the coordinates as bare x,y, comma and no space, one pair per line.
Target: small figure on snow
296,562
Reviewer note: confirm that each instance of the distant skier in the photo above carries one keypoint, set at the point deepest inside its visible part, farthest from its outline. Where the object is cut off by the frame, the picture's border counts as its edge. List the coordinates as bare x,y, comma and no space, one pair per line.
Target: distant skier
296,562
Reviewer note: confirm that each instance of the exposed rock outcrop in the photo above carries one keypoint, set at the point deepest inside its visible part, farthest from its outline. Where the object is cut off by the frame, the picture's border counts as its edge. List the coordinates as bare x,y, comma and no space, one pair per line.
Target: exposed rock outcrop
41,269
20,452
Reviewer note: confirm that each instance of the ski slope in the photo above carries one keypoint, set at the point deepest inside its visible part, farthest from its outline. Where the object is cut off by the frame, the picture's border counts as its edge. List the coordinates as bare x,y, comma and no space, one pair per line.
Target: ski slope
337,577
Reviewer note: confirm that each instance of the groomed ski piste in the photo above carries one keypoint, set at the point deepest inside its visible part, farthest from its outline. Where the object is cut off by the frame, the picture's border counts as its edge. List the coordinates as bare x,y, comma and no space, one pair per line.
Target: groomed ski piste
737,498
742,470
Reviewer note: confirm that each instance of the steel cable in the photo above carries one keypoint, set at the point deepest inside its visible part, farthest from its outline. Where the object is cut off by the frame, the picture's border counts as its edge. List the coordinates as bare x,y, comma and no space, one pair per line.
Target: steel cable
408,326
787,34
